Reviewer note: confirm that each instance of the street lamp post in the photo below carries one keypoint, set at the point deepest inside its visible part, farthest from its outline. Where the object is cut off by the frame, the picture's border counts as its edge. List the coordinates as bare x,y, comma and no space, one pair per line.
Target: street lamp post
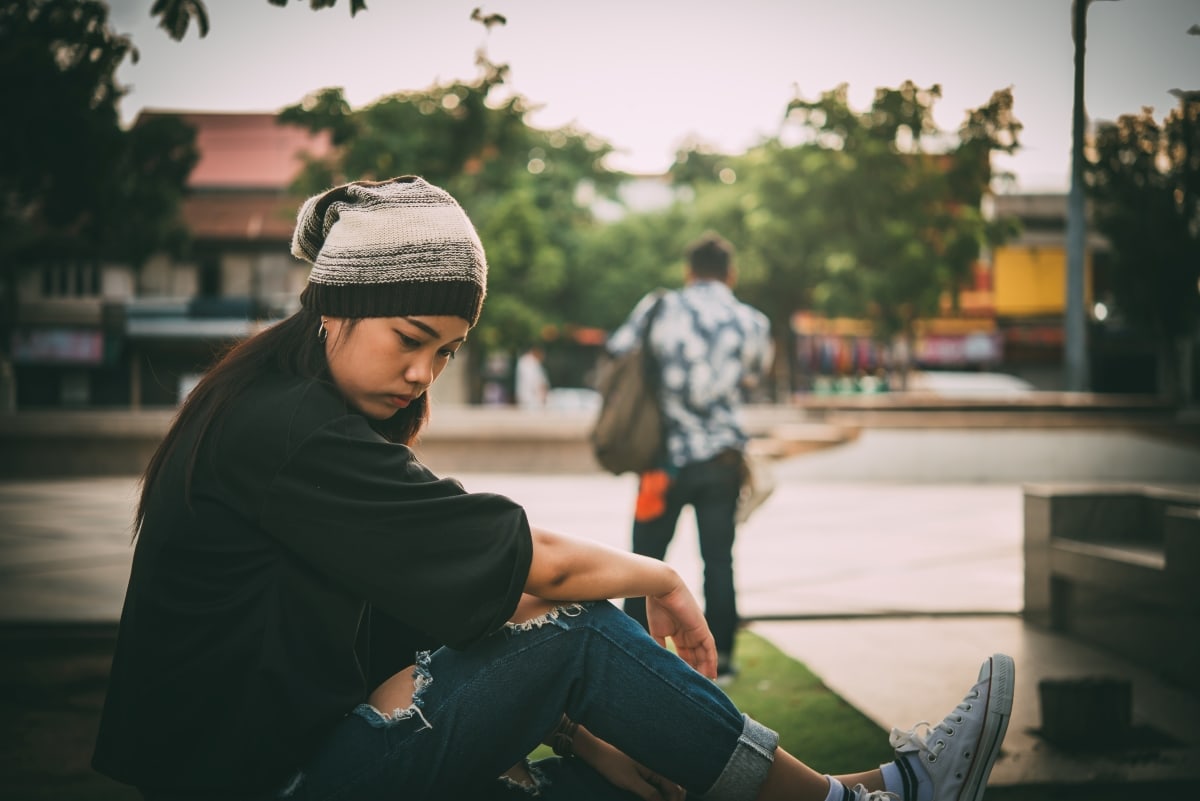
1191,220
1075,322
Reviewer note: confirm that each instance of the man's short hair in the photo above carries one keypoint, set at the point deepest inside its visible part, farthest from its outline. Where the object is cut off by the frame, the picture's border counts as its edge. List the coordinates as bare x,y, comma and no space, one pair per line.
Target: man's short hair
710,256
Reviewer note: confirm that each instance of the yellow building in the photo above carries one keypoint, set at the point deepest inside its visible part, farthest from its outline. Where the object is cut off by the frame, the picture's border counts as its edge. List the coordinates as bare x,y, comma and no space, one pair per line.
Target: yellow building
1029,274
1008,317
1028,285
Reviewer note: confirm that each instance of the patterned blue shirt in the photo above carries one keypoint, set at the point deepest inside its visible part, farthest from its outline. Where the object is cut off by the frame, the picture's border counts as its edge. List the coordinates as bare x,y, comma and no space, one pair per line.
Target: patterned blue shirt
710,346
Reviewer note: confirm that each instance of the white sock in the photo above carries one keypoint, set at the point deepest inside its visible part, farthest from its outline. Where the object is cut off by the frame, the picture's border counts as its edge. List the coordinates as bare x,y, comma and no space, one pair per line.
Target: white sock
902,779
837,791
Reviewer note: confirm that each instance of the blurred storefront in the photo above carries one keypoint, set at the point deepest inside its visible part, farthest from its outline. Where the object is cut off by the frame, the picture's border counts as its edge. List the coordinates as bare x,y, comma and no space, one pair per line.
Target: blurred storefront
840,355
68,349
115,335
1009,318
119,335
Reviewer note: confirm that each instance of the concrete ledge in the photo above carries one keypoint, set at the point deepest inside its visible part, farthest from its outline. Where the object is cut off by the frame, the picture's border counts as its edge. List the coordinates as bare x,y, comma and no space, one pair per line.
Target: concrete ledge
1085,402
1116,566
458,439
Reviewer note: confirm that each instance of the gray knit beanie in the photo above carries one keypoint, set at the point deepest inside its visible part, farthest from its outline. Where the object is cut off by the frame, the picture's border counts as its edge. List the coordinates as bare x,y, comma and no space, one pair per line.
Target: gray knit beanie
390,249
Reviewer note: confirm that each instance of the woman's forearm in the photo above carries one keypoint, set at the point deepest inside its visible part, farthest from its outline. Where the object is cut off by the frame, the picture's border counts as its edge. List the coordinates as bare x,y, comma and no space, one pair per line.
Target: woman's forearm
571,569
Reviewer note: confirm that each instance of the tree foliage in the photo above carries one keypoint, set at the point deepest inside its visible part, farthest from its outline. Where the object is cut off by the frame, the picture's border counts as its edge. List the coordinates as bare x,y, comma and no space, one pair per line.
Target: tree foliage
619,262
1144,181
74,185
873,214
526,189
698,164
176,16
887,207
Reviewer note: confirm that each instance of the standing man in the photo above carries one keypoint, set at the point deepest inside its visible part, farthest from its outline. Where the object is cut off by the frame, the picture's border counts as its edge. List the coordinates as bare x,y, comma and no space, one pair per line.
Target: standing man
710,347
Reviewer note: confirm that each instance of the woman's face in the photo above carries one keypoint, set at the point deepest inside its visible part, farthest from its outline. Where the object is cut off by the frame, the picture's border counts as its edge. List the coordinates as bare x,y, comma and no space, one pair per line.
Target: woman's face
382,364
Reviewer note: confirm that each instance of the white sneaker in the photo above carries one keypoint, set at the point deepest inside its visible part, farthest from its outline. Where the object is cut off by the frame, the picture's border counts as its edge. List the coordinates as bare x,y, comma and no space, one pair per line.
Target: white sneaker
959,752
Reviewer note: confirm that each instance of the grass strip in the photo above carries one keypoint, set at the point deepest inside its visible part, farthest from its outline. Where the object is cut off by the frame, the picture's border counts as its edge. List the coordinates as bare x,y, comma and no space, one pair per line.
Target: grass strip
813,722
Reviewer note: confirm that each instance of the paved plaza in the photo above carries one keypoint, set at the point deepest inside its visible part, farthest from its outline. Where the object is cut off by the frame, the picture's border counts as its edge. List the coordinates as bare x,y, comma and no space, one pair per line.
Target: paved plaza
812,550
891,592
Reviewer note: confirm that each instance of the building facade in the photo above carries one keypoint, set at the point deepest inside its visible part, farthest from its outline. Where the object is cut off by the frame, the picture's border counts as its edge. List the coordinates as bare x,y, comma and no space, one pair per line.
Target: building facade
137,336
1008,318
112,335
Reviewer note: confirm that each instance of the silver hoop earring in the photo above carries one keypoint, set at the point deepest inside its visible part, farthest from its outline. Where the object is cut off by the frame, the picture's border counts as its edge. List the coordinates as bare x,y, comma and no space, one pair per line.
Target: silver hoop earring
322,332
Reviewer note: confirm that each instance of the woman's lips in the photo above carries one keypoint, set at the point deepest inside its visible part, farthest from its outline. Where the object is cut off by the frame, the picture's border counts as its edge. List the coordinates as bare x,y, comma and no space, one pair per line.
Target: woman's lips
399,401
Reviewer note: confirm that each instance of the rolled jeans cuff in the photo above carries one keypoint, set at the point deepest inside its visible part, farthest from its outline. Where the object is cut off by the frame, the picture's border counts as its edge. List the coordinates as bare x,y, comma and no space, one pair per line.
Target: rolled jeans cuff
746,770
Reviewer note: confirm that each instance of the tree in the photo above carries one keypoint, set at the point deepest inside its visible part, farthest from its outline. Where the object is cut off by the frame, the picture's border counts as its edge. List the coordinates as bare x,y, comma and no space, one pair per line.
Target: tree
619,262
176,16
75,187
698,164
907,224
875,214
527,190
1144,181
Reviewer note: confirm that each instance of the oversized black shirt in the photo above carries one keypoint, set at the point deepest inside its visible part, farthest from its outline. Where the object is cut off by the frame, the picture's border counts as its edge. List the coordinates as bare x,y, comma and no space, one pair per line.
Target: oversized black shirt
237,650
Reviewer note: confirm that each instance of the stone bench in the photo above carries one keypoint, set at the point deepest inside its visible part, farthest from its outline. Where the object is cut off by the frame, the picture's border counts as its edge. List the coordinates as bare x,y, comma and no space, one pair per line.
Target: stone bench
1118,566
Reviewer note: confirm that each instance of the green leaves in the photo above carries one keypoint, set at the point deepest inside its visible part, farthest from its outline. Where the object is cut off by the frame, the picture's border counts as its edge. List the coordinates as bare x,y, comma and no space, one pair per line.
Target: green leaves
176,16
76,191
862,219
523,187
1144,180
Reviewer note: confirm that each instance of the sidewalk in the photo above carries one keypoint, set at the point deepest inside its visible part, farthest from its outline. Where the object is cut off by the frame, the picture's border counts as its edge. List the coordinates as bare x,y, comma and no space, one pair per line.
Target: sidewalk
892,593
65,545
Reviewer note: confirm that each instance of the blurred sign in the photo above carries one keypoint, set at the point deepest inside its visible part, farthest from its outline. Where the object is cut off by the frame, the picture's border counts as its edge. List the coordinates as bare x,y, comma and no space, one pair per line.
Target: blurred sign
978,348
58,346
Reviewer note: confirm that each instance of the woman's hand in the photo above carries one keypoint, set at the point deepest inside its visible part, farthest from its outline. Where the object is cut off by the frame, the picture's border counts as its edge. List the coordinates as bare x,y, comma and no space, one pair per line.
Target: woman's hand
621,771
567,569
677,615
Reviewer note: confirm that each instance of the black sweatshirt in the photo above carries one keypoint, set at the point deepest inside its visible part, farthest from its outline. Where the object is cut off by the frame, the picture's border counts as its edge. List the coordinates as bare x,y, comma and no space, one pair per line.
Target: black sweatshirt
237,651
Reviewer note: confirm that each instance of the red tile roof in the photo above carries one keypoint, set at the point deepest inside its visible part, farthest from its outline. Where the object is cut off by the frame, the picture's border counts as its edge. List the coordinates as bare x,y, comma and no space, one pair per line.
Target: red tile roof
241,216
246,150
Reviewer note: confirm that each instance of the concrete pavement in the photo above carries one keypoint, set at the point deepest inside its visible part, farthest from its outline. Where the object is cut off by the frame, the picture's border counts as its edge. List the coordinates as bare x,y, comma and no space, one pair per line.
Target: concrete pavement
65,545
892,593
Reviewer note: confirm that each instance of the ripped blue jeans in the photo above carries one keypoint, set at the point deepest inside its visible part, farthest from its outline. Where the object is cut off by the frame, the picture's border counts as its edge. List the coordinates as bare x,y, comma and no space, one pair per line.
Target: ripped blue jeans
478,712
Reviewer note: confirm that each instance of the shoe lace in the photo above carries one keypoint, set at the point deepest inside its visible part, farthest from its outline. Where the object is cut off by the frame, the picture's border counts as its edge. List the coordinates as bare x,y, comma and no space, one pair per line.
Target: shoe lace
931,743
861,794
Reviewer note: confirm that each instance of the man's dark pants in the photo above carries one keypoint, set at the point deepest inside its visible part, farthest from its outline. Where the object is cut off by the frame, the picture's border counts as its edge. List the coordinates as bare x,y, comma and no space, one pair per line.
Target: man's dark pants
711,488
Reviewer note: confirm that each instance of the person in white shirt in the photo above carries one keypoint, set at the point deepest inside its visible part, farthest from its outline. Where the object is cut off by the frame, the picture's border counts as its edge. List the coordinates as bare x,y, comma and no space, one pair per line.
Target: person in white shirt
532,384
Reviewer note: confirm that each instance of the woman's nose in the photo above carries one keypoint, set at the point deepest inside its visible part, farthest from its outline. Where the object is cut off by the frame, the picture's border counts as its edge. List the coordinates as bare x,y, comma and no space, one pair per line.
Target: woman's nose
420,372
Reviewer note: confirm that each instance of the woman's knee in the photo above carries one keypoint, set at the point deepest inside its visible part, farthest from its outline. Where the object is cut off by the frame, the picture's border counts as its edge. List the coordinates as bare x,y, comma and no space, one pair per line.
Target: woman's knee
396,692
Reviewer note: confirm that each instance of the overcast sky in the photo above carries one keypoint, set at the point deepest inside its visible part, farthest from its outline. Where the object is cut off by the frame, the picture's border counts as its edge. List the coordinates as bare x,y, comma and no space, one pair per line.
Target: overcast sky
648,74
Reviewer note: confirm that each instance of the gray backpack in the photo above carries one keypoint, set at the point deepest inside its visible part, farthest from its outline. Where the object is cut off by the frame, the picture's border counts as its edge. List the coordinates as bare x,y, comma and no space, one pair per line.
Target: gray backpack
628,433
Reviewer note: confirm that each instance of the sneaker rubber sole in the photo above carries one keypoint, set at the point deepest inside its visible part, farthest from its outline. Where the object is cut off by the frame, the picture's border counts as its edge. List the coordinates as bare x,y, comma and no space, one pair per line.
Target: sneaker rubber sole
995,726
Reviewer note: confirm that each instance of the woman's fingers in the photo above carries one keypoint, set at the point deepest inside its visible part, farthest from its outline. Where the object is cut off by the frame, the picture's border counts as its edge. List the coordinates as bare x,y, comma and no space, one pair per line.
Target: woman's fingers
660,789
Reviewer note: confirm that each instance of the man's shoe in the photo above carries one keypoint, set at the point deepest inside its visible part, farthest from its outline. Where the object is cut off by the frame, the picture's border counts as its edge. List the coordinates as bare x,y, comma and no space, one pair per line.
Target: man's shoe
726,672
958,753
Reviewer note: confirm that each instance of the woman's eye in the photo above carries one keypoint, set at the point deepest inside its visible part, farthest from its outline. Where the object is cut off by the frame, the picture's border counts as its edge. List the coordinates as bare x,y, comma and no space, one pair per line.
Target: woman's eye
409,342
448,353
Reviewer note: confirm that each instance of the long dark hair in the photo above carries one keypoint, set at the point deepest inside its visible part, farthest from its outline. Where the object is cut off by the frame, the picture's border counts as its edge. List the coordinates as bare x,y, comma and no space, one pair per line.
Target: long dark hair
290,347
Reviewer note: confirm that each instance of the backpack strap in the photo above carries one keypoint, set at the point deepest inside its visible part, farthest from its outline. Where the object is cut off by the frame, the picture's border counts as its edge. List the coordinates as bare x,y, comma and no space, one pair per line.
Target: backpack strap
653,313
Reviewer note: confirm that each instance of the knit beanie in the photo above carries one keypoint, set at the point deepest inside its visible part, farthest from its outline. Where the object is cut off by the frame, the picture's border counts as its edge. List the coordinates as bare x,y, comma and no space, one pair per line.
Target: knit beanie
390,249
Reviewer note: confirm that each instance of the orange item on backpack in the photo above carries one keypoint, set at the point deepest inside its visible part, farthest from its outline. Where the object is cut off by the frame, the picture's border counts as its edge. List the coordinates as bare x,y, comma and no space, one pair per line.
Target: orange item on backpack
652,495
